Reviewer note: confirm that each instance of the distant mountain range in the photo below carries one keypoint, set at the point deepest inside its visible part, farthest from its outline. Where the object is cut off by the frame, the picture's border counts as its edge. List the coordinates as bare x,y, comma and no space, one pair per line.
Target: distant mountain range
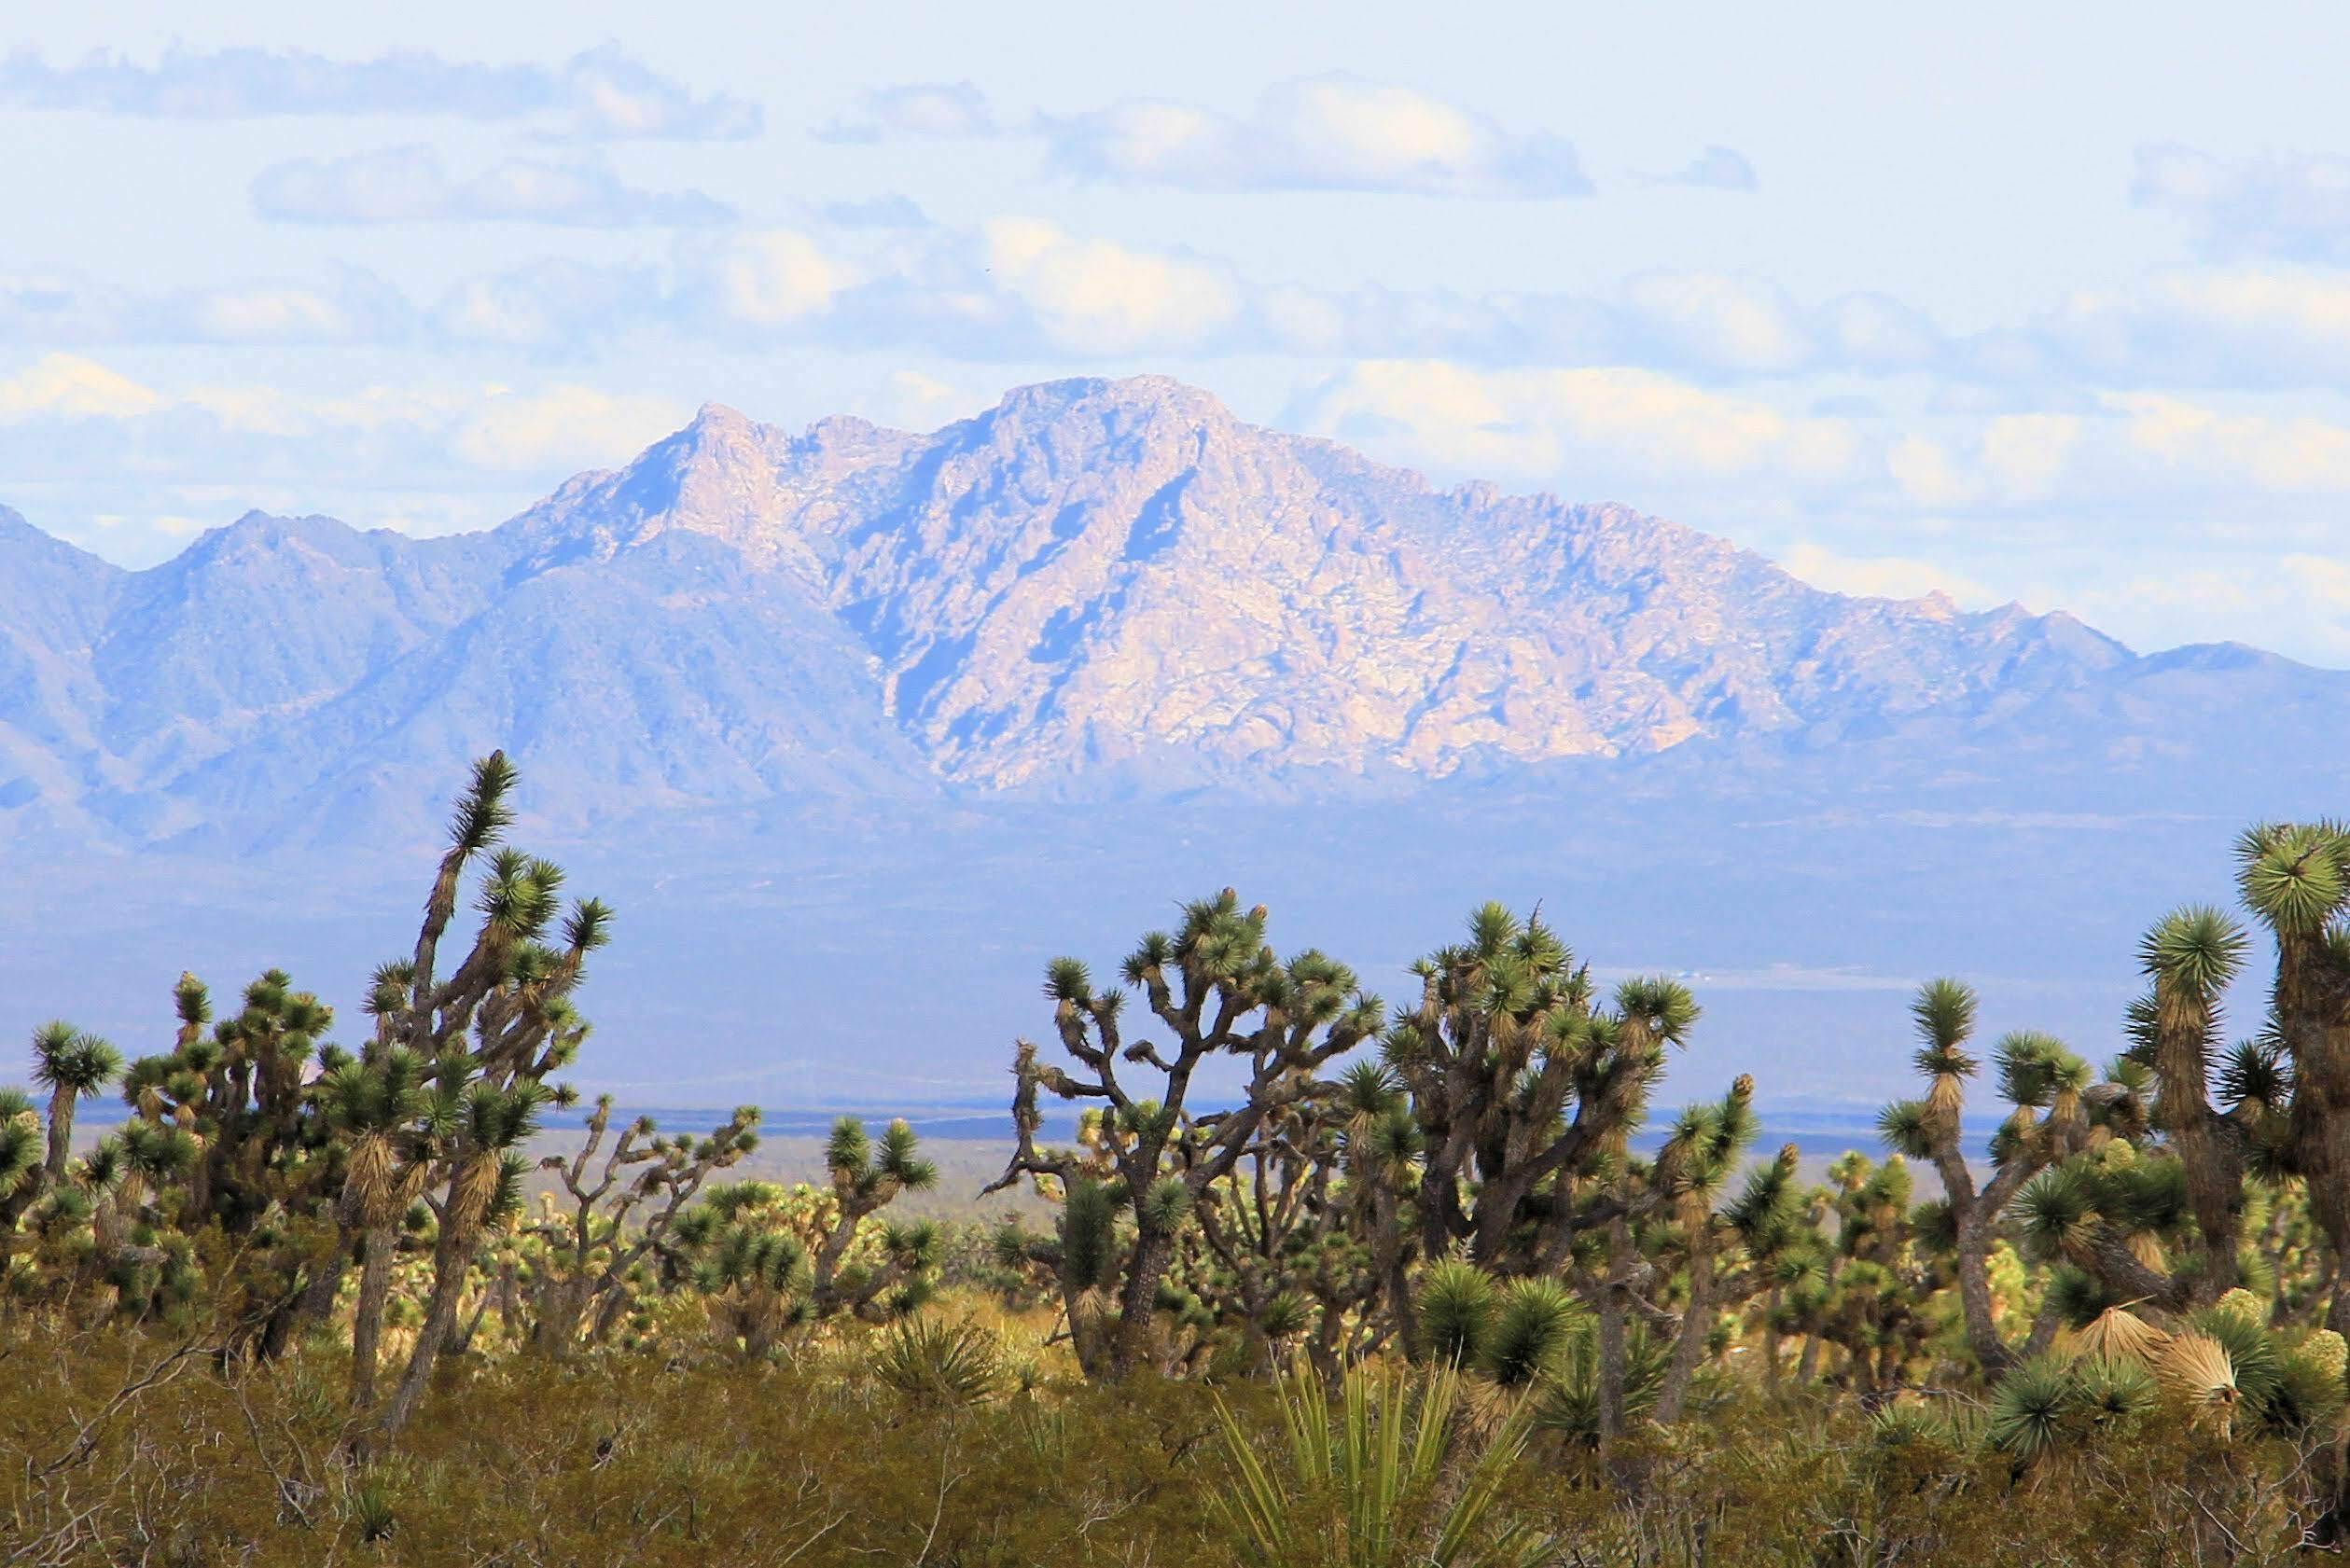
1096,590
856,729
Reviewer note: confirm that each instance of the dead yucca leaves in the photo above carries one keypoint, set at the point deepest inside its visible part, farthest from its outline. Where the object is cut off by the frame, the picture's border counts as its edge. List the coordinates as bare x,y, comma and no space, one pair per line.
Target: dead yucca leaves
2196,1368
2118,1334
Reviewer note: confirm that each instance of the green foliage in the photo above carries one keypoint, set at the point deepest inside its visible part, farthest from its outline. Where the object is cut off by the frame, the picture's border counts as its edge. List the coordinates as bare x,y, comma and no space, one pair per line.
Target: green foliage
1530,1334
1370,1485
939,1365
1457,1303
2030,1407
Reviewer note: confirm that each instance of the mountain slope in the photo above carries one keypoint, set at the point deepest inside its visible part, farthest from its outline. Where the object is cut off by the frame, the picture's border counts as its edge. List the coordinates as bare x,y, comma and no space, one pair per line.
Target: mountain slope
1119,573
1096,588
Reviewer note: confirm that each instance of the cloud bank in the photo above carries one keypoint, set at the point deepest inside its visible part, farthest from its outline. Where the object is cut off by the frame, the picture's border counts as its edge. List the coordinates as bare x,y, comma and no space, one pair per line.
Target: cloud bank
411,185
1334,133
603,94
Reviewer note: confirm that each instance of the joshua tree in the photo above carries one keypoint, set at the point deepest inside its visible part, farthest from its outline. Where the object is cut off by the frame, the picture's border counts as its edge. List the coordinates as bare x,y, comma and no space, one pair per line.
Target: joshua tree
2035,1071
586,1255
2191,958
1283,1257
2163,1223
1701,1154
2296,879
21,1168
376,1104
865,1179
1217,989
491,1034
1521,1087
71,1065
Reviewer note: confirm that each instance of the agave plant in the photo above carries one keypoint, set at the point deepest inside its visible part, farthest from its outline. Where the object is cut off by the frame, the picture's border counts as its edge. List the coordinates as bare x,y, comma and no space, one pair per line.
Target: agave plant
1381,1482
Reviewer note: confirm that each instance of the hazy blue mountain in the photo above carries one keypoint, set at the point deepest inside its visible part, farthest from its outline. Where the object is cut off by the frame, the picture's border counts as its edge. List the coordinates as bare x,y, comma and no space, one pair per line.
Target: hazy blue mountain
1095,589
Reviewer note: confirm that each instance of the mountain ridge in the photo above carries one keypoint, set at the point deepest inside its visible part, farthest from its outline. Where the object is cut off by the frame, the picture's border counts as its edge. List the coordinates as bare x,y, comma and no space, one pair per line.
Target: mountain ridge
1093,587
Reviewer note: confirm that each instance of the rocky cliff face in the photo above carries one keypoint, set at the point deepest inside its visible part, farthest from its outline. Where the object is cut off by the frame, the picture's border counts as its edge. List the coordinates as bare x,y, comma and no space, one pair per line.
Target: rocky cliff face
1095,586
1102,573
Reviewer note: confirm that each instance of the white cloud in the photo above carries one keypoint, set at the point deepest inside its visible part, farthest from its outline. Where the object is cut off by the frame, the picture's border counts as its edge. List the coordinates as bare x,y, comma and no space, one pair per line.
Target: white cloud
493,429
1718,168
2288,205
2023,455
1728,322
555,304
2295,600
1100,296
67,386
776,277
262,311
2299,455
2230,327
1880,576
1547,422
564,426
1328,132
915,109
603,94
409,185
1927,474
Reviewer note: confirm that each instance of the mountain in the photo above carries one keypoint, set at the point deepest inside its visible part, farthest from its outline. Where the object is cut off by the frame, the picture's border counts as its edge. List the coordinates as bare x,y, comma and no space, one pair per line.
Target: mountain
1096,590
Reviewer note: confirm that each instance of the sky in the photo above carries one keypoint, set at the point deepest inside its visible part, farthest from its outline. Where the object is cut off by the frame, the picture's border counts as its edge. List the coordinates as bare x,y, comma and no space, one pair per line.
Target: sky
2035,303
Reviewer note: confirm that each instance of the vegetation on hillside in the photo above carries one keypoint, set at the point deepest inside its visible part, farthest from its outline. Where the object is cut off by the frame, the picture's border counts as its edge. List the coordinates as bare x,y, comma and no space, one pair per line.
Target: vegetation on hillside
1412,1293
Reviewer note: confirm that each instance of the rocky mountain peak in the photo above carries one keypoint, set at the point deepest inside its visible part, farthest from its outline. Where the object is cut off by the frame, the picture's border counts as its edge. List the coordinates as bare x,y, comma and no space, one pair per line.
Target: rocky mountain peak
1094,585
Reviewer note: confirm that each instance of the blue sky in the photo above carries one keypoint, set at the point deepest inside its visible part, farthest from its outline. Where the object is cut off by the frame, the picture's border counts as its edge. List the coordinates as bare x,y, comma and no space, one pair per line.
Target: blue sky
2050,308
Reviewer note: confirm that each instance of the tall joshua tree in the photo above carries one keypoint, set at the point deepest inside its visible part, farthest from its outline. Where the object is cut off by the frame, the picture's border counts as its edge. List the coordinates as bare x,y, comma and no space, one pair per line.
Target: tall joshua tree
2035,1071
491,1032
71,1065
2295,877
588,1252
2191,958
1216,988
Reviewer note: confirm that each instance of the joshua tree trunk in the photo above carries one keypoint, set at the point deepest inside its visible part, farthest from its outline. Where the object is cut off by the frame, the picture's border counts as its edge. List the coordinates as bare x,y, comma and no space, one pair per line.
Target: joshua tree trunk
1611,1330
1974,1293
440,1319
557,1331
1688,1348
1153,1250
61,1132
367,1323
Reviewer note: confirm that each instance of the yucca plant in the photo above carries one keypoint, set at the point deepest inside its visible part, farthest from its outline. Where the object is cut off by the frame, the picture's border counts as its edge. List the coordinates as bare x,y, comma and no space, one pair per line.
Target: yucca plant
1532,1329
1387,1480
1569,1403
1456,1305
939,1365
2029,1408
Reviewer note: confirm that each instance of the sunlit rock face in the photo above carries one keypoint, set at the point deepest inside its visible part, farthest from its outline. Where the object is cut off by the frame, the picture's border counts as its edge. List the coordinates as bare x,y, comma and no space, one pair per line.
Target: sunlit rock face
1097,586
